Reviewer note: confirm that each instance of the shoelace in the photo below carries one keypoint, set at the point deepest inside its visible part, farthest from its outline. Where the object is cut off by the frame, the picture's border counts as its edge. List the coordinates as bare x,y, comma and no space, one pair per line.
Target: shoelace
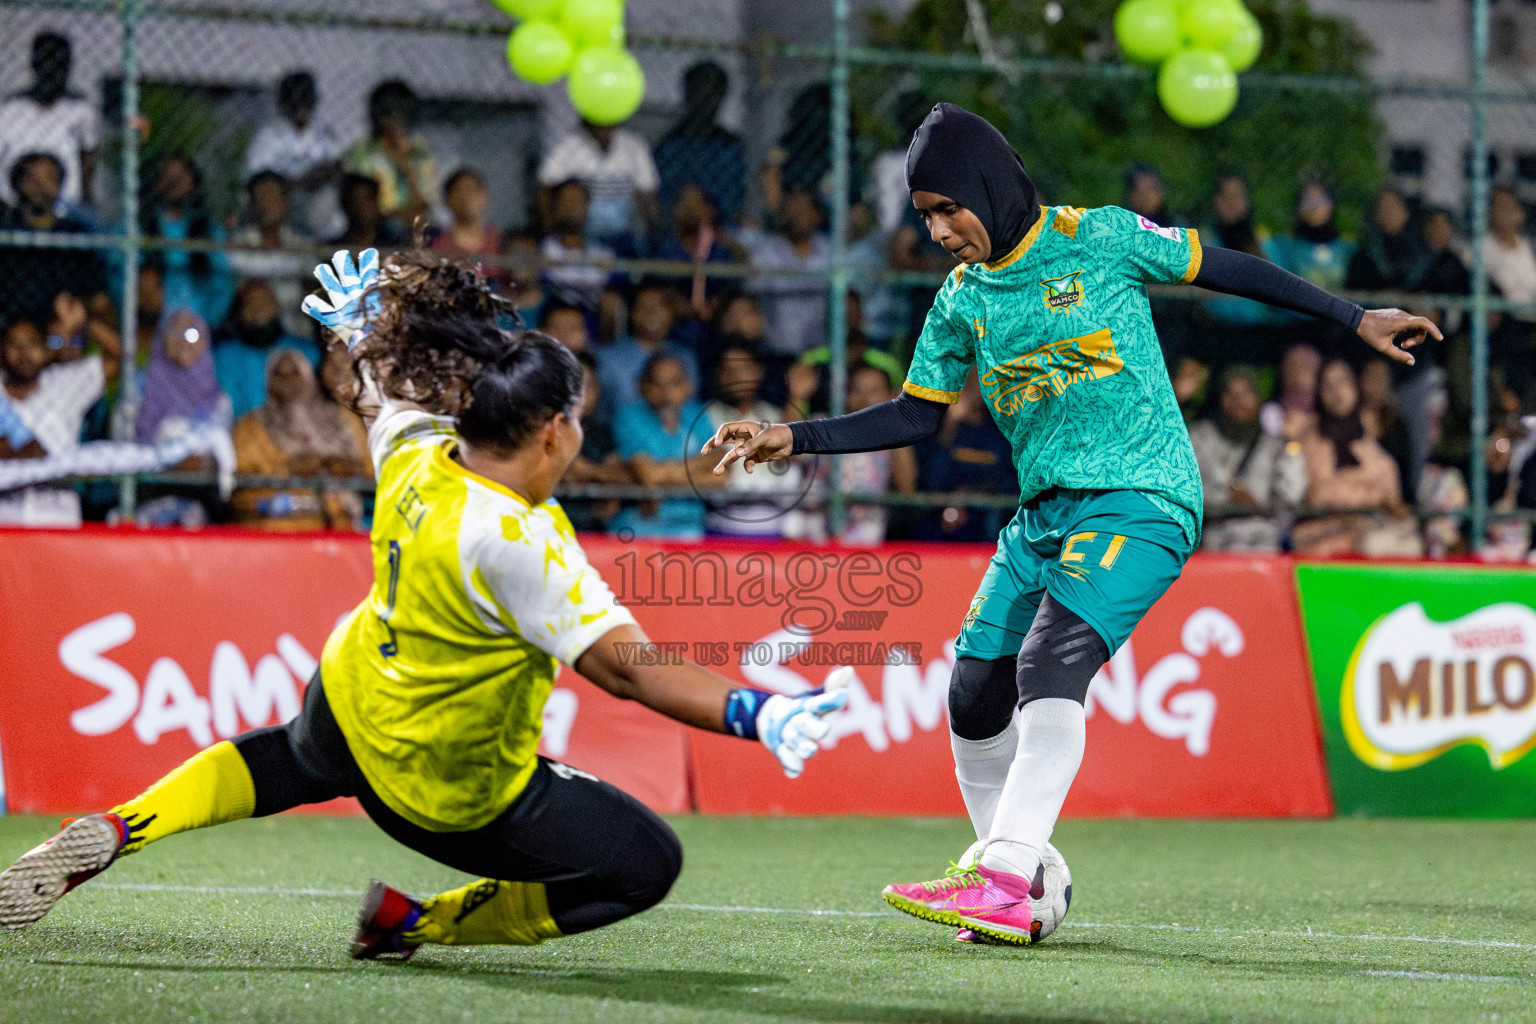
956,877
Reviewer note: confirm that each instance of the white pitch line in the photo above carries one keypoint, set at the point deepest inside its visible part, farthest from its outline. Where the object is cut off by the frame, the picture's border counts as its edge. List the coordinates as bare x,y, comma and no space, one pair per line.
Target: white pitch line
710,908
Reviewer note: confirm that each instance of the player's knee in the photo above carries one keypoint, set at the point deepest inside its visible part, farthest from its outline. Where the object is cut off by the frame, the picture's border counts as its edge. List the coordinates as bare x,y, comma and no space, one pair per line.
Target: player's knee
981,697
658,869
1060,656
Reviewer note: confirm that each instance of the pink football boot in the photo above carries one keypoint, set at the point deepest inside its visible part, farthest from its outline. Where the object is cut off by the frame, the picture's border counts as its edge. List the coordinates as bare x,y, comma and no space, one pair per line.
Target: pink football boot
990,904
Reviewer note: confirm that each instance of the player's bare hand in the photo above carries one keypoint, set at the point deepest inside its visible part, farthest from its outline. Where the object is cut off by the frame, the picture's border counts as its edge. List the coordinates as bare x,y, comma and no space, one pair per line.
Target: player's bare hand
750,443
1392,332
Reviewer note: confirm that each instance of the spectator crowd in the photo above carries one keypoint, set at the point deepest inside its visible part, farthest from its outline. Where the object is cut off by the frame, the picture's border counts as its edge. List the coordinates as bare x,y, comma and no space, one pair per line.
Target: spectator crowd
1304,444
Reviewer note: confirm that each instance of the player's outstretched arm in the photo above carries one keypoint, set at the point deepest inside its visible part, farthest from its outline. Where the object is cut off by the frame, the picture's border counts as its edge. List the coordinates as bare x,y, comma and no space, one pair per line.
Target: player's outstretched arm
625,663
1389,331
903,421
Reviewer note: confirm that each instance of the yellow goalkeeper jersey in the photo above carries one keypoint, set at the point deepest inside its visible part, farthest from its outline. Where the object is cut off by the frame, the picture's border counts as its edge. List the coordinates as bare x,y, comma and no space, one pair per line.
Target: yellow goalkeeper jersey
438,679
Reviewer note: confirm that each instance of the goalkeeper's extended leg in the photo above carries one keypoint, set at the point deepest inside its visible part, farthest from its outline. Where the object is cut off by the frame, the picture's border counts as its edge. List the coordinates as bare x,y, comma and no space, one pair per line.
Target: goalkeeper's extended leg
571,854
253,775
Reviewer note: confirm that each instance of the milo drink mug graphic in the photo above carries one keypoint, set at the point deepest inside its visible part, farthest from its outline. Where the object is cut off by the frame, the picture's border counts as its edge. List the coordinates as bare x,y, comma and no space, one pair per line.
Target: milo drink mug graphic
1414,688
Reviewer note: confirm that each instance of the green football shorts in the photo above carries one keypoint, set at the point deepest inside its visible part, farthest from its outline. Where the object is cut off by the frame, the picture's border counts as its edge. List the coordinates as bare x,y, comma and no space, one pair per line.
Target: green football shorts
1106,555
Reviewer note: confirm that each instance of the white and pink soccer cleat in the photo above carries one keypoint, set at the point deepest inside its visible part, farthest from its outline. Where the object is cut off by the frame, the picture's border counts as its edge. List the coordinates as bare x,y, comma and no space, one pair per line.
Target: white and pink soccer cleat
992,905
82,849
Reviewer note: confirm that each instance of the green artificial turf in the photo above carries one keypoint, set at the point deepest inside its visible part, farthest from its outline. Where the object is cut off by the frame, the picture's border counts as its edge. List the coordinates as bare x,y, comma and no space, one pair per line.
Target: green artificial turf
1346,920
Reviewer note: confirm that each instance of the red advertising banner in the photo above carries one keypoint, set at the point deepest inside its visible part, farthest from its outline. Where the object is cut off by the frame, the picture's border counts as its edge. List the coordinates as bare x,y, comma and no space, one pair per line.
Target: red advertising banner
125,653
1207,710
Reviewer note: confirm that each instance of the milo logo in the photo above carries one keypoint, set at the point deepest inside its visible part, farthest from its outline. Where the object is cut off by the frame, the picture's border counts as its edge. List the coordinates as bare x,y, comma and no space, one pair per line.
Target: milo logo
1415,688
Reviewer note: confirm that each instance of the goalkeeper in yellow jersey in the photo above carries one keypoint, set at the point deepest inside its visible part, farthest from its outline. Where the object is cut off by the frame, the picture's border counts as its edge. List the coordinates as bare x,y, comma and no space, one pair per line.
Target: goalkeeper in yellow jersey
428,702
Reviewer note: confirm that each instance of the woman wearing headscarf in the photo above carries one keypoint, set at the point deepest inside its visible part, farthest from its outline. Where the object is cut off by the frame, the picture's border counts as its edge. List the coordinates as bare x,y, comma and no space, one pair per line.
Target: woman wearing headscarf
1050,305
180,383
1393,256
298,432
1314,250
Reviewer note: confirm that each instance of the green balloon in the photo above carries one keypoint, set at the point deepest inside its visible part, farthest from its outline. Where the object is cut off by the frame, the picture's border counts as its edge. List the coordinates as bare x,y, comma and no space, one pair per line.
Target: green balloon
527,10
606,84
1246,42
539,52
592,22
1209,24
1198,88
1147,30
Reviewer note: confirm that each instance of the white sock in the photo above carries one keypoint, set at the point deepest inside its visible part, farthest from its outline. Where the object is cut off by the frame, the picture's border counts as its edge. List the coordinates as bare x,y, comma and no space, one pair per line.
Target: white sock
981,766
1052,732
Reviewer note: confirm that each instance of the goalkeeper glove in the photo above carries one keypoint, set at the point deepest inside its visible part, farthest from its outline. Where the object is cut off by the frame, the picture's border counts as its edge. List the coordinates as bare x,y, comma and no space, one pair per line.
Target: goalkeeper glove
349,300
790,727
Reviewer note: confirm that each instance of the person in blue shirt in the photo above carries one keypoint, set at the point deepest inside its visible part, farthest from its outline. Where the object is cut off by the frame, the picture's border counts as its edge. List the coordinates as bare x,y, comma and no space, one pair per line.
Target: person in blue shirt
254,330
655,436
1314,250
651,320
175,211
16,439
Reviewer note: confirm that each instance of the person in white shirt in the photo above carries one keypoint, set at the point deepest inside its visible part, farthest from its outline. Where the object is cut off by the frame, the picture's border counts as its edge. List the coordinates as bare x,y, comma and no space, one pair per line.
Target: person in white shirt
52,396
573,268
1507,250
49,118
306,153
620,176
794,305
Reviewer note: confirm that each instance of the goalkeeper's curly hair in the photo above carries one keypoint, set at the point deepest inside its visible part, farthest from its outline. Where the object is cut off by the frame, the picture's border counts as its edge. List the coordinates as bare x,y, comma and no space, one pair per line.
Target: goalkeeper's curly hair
434,340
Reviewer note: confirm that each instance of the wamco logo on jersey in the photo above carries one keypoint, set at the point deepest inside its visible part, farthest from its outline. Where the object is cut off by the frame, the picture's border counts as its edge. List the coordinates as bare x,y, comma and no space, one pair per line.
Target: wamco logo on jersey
1415,688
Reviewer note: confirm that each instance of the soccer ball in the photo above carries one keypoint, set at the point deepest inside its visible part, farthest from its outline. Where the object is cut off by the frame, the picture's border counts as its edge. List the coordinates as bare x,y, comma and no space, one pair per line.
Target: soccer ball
1051,893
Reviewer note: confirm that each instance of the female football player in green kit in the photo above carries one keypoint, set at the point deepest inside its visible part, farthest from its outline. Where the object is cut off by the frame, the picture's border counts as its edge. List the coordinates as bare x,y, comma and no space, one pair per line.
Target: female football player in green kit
428,705
1050,306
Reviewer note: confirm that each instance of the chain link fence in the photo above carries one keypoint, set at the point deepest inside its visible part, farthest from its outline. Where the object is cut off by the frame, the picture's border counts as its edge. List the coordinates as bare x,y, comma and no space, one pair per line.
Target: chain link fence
171,169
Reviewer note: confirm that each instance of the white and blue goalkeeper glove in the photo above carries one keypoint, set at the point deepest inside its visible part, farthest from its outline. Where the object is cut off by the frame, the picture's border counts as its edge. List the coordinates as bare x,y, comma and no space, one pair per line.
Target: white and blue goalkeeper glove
792,728
349,301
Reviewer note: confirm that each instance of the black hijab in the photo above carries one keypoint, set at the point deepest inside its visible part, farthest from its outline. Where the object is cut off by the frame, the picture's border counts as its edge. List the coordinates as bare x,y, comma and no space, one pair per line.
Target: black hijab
961,156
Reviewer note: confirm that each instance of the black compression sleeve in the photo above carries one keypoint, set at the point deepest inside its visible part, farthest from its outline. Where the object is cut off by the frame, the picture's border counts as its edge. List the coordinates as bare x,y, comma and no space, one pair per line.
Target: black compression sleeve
895,424
1237,273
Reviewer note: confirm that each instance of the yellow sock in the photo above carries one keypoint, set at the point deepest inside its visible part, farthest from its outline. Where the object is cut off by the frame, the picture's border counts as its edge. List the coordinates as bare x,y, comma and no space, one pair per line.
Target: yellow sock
210,788
487,912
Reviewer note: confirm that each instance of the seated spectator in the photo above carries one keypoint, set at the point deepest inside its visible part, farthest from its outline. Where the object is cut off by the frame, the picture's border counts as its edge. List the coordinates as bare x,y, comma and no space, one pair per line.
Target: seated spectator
367,227
467,233
1144,194
1507,250
598,462
402,164
885,311
35,276
298,432
175,211
698,151
254,330
572,273
567,325
794,305
52,396
659,437
1447,273
859,353
1189,378
49,118
878,472
1231,226
180,389
1291,412
1392,257
16,438
278,263
1347,471
1314,249
524,283
1379,412
968,455
758,499
614,165
619,364
1250,478
886,191
695,238
305,153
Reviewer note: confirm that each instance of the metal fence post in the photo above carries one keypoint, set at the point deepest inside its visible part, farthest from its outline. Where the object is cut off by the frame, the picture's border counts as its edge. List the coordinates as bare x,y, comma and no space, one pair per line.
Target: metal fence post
128,398
837,313
1478,439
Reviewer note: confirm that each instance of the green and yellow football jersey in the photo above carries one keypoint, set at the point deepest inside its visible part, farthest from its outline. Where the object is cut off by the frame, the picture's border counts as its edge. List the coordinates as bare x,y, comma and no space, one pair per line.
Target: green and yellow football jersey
438,679
1061,336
